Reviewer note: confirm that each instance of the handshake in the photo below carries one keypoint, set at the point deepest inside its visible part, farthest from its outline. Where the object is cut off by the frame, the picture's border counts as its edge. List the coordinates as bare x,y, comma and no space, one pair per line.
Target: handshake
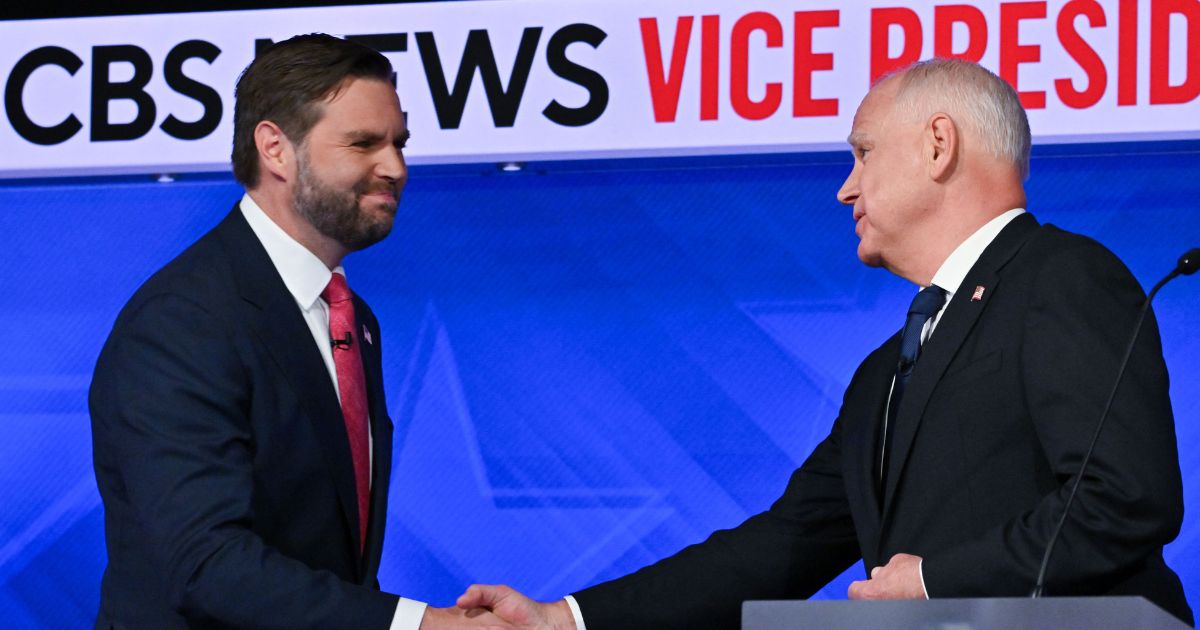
496,607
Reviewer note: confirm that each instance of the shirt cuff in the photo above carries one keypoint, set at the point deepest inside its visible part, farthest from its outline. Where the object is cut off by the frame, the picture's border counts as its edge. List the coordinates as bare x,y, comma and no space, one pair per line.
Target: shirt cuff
574,606
921,573
409,613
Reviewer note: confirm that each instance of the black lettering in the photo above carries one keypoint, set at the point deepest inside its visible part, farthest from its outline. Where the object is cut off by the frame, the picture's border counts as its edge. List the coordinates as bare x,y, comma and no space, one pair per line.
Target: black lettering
15,88
187,86
105,91
477,54
590,80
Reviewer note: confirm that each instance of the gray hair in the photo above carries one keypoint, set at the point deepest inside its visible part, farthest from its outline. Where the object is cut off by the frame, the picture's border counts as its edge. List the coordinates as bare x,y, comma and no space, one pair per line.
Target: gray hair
973,97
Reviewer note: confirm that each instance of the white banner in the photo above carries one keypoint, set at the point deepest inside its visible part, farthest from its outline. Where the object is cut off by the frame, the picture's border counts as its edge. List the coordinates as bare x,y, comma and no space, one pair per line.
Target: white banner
503,80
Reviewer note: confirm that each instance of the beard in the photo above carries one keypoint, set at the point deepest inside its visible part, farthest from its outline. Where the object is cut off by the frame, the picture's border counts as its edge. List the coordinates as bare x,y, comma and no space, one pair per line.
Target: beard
338,213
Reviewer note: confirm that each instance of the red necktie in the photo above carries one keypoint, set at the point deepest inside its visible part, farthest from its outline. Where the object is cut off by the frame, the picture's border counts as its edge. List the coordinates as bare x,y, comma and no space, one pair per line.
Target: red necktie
353,388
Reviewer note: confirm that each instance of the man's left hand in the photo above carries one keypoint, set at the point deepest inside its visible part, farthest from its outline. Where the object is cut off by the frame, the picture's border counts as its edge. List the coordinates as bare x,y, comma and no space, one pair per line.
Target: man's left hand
900,578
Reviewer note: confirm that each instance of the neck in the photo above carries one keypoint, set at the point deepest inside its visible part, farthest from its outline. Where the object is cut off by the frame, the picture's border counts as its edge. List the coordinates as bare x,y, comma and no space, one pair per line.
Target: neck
958,213
279,207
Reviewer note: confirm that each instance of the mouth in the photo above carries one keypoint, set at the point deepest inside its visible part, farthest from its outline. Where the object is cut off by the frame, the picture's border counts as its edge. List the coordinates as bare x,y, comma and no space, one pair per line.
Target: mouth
382,193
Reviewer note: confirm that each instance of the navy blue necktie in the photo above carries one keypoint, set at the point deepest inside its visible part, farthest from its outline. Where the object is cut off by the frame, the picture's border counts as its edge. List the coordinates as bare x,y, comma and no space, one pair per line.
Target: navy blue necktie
924,306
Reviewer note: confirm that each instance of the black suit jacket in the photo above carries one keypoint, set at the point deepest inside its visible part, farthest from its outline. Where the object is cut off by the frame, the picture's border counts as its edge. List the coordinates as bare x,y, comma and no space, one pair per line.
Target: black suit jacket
222,458
994,422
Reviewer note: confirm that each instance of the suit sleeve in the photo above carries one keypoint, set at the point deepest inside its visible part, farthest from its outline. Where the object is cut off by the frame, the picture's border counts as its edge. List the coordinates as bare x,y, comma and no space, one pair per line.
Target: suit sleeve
172,435
803,541
1130,503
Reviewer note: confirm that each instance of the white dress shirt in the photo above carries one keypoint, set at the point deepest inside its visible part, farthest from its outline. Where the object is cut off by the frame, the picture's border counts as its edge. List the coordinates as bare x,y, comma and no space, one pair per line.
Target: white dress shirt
949,277
305,277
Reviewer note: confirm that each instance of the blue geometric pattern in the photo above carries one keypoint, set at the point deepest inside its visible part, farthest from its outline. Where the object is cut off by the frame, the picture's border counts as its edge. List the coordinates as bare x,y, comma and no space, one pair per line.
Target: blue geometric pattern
589,365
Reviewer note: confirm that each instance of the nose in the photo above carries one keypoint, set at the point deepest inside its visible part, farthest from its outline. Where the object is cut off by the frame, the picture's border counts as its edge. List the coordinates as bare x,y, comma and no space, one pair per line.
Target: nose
392,167
848,193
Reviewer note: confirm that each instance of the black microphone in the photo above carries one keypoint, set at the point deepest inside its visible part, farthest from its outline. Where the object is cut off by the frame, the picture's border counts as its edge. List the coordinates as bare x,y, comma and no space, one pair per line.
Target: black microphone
1189,262
344,343
1187,265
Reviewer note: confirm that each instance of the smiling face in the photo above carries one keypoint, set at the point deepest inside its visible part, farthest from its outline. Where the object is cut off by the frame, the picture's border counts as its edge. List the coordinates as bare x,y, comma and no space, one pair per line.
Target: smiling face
350,166
888,185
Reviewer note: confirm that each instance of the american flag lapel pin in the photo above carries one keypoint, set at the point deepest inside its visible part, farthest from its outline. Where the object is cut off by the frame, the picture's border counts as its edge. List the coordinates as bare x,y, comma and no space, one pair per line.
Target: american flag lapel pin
978,294
367,335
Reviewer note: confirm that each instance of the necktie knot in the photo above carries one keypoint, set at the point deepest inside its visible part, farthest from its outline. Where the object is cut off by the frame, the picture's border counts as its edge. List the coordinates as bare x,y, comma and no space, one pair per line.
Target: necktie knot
928,302
337,290
924,306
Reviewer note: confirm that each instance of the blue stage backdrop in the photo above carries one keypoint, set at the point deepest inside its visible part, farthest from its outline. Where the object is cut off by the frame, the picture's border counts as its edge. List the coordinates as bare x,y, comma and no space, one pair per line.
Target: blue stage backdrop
590,365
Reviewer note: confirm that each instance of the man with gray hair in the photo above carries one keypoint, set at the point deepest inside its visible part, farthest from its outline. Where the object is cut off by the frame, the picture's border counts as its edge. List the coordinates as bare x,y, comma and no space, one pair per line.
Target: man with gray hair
959,438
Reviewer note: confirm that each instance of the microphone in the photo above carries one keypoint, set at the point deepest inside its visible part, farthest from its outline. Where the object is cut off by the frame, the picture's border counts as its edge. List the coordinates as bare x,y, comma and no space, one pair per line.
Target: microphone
343,343
1189,262
1187,265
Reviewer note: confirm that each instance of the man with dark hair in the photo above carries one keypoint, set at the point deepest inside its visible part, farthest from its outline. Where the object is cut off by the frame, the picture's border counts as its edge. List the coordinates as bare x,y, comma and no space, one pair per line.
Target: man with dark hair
959,438
241,439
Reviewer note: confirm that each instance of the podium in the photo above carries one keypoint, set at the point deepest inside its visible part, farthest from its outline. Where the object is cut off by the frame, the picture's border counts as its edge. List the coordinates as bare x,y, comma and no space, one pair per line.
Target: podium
1048,613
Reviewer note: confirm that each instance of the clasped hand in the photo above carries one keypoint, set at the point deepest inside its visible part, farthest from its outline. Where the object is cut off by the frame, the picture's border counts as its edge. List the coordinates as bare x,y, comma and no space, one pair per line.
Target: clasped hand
496,607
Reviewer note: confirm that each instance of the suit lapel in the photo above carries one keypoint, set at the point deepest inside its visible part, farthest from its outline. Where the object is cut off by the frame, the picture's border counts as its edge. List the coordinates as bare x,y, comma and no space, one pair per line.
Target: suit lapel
280,326
952,330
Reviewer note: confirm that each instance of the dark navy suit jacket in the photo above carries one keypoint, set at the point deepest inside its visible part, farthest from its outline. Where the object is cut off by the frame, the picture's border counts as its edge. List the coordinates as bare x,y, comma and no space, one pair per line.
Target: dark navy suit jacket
222,457
994,422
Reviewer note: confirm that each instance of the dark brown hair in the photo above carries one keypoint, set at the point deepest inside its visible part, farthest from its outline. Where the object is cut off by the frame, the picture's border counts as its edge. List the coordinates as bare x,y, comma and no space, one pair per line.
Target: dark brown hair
287,84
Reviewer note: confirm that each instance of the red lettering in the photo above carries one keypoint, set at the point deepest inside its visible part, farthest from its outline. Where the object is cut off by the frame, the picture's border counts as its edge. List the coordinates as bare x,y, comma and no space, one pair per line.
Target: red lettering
710,66
805,62
1161,90
664,92
1127,53
1013,53
1082,53
739,89
944,19
881,22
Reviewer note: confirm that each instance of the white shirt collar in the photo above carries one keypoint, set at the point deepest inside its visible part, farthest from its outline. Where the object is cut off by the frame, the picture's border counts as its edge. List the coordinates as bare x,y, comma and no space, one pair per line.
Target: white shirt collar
954,270
303,273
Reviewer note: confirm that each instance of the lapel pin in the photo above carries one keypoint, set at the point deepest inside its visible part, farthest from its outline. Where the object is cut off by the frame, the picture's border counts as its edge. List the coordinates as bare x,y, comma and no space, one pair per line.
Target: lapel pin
367,334
975,297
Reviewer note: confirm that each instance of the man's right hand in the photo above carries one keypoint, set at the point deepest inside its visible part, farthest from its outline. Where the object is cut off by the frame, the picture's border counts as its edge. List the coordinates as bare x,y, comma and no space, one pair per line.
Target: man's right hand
461,619
520,611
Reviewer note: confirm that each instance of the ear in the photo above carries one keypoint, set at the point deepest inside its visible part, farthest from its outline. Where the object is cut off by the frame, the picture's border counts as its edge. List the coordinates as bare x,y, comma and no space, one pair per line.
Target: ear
276,155
942,146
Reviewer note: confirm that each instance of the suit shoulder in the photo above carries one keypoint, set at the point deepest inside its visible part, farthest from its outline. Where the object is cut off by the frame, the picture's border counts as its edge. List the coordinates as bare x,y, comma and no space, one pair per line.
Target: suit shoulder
1066,263
1054,242
1053,248
201,274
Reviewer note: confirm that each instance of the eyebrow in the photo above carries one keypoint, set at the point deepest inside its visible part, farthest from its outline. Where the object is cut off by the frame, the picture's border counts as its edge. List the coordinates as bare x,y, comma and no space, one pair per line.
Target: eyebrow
362,135
856,138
